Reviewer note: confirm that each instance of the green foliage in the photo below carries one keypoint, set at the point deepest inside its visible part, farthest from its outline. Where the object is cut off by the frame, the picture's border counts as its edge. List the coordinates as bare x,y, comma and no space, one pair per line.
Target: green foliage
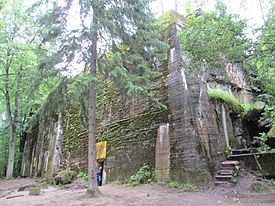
215,38
247,107
143,176
269,113
18,66
258,187
271,133
227,151
264,147
225,97
261,64
271,182
169,18
236,174
84,176
186,186
257,173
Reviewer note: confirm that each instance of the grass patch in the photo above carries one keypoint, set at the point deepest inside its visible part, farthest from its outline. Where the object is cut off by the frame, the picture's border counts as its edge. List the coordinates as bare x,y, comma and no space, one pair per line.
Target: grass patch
178,185
225,97
257,187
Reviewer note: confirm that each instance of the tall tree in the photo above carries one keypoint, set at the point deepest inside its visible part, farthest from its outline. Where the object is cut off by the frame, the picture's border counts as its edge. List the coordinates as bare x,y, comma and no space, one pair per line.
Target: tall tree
18,70
215,38
16,58
261,63
116,40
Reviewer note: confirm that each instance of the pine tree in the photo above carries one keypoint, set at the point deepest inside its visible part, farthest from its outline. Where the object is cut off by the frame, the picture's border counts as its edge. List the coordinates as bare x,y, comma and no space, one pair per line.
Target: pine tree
116,40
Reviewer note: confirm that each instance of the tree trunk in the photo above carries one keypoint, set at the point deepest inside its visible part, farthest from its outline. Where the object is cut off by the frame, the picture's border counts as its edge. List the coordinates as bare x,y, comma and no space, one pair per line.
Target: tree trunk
92,180
11,154
12,121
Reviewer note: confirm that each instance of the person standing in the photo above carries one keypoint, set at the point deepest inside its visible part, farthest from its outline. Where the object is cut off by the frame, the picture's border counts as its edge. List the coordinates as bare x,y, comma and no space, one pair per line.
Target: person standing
99,175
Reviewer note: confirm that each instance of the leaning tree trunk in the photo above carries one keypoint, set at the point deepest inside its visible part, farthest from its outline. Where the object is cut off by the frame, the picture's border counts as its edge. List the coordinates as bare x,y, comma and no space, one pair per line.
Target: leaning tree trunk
92,180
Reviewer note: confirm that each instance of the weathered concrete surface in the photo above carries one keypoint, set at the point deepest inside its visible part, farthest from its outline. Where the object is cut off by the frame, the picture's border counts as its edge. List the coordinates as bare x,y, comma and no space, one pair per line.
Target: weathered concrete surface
162,166
198,127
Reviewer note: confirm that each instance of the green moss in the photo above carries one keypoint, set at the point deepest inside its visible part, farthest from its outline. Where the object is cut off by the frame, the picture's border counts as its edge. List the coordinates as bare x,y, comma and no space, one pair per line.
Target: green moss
247,107
225,97
65,177
34,191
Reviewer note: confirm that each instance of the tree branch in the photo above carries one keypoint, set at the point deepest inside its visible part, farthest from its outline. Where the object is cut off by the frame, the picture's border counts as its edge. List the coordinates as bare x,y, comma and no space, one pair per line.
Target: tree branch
2,90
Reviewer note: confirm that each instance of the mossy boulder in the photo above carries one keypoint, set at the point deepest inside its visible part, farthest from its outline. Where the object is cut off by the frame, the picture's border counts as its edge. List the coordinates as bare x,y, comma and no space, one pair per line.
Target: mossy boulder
34,191
65,177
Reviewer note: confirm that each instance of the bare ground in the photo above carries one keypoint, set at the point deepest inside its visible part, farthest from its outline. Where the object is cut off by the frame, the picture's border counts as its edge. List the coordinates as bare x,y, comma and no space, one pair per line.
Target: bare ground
147,195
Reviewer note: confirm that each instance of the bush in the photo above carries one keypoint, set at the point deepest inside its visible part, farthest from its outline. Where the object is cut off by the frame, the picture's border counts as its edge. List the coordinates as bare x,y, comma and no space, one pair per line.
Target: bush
83,175
143,176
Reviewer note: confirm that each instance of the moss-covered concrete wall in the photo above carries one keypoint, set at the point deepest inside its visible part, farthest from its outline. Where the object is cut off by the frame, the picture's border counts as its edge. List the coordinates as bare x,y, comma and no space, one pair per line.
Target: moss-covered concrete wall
128,125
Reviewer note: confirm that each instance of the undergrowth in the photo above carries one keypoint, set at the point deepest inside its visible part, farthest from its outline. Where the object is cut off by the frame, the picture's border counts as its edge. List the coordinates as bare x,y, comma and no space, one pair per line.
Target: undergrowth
271,183
83,175
236,174
257,187
178,185
143,176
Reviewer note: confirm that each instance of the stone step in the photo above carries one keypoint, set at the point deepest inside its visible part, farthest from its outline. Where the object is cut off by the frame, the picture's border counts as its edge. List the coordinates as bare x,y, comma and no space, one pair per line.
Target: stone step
243,151
221,183
230,163
227,167
225,172
223,177
240,151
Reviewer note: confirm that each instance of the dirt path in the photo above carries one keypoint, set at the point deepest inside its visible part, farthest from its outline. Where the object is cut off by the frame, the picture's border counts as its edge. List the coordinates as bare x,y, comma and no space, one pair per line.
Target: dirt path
121,195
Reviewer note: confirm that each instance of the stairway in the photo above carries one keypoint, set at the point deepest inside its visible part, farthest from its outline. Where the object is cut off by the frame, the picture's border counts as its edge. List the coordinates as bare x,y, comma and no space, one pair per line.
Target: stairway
226,171
237,154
